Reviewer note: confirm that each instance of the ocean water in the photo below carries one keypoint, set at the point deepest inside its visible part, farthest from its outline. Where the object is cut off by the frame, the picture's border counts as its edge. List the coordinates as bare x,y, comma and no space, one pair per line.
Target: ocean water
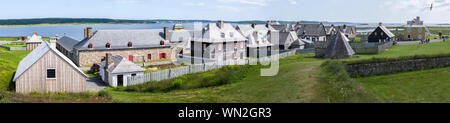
76,31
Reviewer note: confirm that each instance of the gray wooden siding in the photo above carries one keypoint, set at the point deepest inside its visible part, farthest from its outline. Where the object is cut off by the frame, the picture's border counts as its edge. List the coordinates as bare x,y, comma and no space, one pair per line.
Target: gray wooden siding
68,79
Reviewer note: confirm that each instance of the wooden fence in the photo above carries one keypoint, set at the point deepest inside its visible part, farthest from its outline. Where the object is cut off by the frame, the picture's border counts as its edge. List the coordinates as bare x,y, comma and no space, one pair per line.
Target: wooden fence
177,72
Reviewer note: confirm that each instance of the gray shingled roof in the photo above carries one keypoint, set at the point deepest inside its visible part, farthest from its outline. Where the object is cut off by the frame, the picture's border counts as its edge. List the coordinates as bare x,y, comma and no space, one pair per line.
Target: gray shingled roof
213,33
36,54
119,39
311,29
339,47
121,65
67,43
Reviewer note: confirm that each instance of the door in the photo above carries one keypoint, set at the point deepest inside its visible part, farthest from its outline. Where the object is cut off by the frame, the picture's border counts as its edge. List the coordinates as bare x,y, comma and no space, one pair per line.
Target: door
119,80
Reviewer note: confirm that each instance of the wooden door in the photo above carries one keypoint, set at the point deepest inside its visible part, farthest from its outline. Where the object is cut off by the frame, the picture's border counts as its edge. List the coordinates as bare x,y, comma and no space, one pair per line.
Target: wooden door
119,80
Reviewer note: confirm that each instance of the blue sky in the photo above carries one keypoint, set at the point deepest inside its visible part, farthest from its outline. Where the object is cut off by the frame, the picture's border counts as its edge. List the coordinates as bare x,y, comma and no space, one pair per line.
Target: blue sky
389,11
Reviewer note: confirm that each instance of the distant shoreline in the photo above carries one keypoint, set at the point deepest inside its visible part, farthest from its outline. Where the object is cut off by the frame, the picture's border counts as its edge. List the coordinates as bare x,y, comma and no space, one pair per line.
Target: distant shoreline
68,24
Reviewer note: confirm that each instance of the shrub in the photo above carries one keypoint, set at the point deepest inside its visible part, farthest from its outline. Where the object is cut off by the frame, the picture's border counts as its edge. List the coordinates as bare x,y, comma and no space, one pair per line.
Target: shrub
177,84
105,94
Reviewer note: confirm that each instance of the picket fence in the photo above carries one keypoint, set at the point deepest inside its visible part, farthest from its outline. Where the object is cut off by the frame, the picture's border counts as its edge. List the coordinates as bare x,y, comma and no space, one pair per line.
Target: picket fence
180,71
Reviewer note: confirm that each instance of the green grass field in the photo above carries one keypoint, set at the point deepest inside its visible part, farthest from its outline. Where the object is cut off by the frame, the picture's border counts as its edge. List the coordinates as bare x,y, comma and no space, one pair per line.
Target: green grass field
14,45
9,38
8,64
300,79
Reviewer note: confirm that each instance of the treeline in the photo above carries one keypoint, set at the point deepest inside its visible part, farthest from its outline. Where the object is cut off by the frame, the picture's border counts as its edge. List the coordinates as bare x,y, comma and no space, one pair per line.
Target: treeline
67,20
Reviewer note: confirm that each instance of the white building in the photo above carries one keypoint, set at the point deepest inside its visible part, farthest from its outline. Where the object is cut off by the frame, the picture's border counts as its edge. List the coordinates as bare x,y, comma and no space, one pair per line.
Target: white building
115,70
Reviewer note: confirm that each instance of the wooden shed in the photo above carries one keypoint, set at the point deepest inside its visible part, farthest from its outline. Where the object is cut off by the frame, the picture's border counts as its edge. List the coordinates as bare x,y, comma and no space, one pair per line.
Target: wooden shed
47,70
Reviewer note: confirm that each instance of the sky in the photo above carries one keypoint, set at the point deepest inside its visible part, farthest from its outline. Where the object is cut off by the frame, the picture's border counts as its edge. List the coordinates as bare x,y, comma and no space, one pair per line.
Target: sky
366,11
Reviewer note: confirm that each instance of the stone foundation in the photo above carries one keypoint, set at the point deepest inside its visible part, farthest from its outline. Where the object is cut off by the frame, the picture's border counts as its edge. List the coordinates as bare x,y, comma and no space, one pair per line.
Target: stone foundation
88,58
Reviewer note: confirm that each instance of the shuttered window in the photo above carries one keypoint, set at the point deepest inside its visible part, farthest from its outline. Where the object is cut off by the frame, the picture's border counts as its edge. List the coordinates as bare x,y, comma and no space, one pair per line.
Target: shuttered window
130,57
51,73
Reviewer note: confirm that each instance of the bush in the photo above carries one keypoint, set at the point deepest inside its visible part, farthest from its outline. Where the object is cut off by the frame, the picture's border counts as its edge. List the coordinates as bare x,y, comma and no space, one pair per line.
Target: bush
177,84
105,94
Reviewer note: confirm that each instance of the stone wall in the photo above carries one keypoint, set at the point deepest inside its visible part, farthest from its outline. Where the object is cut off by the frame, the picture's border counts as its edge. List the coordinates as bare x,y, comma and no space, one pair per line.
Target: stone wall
370,48
371,69
88,58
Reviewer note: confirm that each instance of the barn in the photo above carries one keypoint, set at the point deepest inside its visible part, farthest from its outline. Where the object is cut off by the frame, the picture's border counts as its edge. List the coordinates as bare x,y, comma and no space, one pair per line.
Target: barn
47,70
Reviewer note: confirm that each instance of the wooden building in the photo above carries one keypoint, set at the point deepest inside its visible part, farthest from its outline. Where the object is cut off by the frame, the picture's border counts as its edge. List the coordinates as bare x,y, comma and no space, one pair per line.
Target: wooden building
381,34
33,41
47,70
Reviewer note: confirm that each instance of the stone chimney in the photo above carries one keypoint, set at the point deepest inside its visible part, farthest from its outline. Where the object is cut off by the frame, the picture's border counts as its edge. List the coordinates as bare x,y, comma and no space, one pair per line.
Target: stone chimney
380,24
166,33
253,25
88,32
220,23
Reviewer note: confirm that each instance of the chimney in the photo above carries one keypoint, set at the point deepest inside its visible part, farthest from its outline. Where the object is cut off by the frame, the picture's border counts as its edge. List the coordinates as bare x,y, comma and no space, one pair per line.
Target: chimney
345,26
298,23
88,32
221,23
35,33
166,33
53,41
267,24
380,24
253,25
332,25
108,60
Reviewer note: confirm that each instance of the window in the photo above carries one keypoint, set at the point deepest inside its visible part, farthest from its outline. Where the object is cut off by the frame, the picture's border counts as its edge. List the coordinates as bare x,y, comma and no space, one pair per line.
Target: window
133,74
108,45
419,30
90,46
103,59
162,43
409,29
130,57
130,44
51,73
162,56
149,56
382,34
222,35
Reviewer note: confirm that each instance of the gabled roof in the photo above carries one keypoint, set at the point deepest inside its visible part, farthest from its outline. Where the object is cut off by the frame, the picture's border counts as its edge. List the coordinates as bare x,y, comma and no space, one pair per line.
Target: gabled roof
67,42
119,39
36,54
257,36
34,39
339,47
311,29
121,65
213,33
387,31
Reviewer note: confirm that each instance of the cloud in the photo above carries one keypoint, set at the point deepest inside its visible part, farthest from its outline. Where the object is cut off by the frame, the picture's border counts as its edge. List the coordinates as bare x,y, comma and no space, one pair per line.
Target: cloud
195,4
293,2
249,2
229,8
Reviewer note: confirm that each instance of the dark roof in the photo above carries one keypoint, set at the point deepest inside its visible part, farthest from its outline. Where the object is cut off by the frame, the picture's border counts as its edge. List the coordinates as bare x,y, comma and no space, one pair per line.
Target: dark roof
119,39
67,43
311,29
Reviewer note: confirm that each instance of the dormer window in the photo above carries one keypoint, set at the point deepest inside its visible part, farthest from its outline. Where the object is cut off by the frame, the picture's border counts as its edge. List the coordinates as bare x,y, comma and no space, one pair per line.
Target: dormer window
90,46
161,43
222,35
108,45
130,44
